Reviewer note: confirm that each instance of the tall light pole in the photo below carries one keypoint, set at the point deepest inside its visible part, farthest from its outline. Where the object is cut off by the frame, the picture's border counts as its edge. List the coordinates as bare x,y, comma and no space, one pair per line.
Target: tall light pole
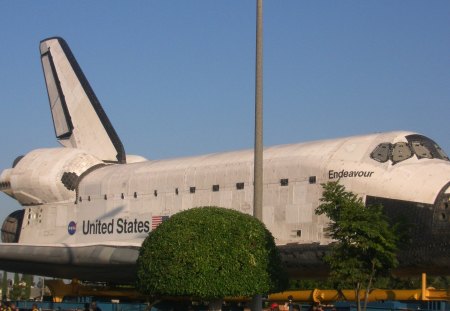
258,153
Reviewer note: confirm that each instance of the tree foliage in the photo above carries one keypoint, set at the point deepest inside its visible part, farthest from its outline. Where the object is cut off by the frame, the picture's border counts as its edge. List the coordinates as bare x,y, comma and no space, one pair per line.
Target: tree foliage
27,281
16,291
210,252
365,244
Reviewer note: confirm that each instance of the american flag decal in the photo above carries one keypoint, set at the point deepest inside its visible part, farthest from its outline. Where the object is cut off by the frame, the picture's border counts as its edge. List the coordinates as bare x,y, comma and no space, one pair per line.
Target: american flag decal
157,220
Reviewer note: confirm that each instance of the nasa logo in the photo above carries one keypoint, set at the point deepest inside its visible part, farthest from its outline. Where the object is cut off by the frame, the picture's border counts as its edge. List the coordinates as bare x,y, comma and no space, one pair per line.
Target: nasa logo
72,228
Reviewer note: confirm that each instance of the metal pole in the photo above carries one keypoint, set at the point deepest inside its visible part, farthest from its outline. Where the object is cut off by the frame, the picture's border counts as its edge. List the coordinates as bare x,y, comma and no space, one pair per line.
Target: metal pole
258,155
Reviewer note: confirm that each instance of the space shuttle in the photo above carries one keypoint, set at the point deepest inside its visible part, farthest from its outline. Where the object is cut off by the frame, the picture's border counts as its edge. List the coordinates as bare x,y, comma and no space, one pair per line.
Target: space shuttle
88,206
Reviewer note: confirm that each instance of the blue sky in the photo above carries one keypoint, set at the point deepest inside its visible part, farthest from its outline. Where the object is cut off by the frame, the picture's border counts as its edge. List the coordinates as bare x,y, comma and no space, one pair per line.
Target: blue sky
176,78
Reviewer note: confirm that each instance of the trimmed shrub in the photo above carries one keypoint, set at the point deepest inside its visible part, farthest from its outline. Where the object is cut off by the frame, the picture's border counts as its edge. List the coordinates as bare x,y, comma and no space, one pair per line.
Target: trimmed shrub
210,252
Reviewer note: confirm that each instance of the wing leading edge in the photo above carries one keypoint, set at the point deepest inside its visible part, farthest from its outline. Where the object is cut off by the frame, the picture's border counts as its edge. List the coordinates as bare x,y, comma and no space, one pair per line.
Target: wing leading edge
92,262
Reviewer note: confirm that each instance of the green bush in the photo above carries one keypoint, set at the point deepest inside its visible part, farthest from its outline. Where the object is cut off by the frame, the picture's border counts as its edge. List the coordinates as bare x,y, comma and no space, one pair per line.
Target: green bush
210,252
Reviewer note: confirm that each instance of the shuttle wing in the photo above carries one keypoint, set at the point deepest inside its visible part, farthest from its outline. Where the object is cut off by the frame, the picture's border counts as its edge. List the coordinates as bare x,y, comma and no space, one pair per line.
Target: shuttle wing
79,119
94,262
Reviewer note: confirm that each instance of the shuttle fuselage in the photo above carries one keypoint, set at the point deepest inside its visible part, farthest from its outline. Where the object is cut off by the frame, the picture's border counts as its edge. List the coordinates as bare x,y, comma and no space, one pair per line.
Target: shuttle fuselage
87,209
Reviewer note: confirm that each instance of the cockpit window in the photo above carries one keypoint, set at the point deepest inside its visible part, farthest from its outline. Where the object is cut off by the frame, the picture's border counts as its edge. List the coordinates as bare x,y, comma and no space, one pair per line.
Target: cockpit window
381,152
426,148
442,153
400,152
421,146
420,150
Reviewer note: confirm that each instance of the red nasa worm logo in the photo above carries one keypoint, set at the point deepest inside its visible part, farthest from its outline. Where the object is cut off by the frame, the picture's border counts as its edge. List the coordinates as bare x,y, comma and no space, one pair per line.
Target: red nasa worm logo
72,228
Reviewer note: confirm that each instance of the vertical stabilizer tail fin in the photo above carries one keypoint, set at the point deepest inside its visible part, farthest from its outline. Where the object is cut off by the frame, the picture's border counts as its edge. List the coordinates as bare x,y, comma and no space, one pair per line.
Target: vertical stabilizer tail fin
79,119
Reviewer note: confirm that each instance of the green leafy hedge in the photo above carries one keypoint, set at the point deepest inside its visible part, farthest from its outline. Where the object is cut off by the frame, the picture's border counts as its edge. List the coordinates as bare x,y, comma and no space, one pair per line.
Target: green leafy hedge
210,252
